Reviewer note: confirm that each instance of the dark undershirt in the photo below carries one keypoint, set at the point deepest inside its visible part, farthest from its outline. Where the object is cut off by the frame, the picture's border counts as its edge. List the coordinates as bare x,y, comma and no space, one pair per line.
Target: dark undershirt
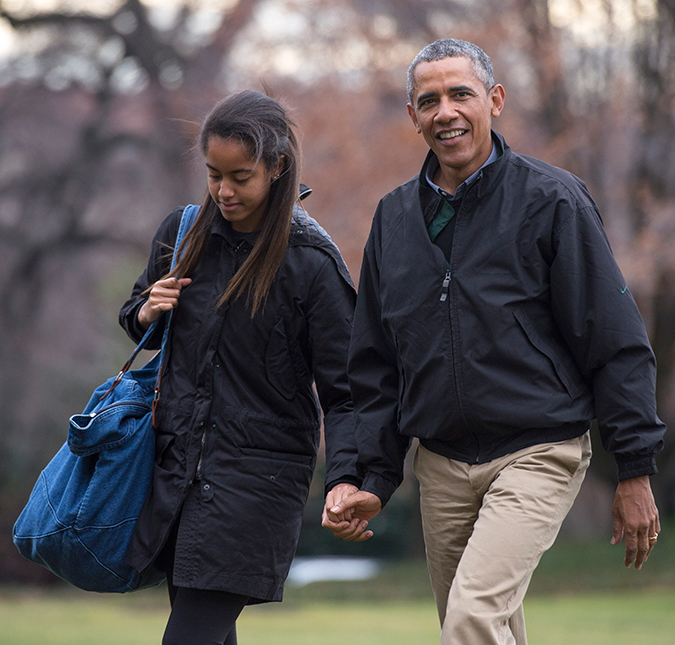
444,238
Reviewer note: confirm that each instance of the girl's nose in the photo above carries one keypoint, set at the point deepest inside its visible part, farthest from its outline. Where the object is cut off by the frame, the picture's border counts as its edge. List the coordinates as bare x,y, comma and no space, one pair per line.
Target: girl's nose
225,190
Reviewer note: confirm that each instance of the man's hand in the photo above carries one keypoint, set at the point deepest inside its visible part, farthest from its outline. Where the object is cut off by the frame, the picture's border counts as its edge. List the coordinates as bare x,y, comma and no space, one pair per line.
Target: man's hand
348,511
636,518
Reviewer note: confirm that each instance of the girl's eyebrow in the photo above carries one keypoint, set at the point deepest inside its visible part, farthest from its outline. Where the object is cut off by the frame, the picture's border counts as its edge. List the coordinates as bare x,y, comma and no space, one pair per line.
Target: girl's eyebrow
233,172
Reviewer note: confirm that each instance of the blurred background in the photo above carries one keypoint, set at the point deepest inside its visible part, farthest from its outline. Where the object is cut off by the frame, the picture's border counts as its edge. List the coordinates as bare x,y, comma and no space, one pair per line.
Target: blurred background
100,101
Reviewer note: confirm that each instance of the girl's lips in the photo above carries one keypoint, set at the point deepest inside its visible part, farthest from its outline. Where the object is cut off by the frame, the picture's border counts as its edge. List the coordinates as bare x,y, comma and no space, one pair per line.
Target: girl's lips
228,207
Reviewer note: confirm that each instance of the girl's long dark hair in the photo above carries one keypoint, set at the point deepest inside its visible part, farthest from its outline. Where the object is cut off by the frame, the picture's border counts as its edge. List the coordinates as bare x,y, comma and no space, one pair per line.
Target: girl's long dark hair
263,126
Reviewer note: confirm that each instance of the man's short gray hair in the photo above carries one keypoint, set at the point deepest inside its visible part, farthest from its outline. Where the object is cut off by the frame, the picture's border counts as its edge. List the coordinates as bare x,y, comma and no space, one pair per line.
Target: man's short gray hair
452,48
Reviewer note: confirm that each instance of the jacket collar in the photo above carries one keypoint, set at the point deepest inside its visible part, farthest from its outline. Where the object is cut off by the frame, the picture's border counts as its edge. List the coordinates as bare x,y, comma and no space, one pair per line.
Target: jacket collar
223,228
303,230
430,200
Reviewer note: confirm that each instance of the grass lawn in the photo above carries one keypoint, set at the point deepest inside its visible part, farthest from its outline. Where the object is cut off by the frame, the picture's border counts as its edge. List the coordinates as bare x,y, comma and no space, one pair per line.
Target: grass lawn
76,618
580,595
70,617
602,618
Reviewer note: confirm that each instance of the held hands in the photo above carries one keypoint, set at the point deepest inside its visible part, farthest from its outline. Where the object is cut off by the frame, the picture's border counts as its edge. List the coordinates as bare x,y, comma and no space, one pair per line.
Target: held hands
636,518
163,296
347,512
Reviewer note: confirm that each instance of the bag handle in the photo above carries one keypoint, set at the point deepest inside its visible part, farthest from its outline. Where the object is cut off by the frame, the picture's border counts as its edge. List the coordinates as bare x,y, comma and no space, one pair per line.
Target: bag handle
187,220
189,216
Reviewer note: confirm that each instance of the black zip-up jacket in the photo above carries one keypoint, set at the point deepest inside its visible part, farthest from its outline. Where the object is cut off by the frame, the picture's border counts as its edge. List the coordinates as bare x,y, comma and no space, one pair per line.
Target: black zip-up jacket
238,419
529,334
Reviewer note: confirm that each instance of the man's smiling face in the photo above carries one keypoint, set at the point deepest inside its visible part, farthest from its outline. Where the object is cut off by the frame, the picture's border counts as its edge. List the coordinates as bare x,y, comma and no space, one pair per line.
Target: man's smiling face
453,111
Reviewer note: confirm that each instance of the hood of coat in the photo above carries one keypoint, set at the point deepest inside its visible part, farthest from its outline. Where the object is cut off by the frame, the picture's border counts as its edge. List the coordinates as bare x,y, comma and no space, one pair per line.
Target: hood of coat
306,231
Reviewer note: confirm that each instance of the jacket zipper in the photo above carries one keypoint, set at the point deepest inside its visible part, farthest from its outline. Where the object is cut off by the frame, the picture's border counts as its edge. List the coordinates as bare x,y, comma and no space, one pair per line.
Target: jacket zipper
202,443
198,474
446,286
445,292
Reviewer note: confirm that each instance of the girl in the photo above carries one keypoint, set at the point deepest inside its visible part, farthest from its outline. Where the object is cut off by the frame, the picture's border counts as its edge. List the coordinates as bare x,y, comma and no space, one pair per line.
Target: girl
263,308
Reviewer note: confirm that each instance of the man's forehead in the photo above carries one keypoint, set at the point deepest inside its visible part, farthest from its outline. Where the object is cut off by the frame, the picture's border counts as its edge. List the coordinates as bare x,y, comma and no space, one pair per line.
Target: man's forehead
436,69
447,68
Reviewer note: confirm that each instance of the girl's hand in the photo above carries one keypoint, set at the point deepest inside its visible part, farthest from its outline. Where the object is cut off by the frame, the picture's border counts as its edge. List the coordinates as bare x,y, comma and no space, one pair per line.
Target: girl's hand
163,296
347,512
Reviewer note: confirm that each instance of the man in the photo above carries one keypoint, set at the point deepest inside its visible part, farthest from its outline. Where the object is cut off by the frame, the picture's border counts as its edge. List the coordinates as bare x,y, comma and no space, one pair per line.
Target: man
493,324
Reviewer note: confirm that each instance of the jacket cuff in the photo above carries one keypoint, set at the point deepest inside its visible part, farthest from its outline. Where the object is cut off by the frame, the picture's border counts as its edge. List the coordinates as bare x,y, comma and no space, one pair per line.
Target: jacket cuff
380,486
636,467
347,479
136,331
130,322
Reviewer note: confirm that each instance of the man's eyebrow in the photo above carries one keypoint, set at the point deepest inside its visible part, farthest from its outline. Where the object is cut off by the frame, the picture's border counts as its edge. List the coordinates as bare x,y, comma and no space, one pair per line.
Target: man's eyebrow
451,90
423,97
461,88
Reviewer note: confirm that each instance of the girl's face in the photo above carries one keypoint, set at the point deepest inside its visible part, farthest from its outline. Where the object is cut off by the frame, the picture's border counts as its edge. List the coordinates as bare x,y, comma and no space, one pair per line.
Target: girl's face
239,186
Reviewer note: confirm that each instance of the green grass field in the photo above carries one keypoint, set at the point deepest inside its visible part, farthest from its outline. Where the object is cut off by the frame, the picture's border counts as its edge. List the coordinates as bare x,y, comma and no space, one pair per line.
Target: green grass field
580,595
74,618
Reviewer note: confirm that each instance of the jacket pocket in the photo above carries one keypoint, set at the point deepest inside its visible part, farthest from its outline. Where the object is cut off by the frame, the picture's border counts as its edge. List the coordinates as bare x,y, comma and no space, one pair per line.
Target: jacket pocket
548,349
278,363
401,381
274,456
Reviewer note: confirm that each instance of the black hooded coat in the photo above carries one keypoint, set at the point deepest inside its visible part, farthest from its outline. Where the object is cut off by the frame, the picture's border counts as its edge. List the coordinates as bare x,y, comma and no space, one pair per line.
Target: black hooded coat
238,420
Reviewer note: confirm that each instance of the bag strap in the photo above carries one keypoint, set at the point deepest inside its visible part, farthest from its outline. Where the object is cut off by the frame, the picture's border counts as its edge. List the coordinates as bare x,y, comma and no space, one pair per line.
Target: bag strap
189,216
187,220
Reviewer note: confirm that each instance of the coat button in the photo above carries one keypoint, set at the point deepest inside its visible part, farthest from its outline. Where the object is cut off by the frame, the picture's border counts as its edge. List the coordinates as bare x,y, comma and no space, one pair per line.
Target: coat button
207,492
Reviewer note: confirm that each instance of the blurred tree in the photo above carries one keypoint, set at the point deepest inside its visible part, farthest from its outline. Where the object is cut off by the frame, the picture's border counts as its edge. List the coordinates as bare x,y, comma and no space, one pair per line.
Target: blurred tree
97,108
589,88
87,150
653,205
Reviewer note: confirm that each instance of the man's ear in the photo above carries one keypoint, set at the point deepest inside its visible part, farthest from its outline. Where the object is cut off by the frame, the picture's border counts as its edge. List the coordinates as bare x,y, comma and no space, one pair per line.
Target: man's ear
413,116
497,96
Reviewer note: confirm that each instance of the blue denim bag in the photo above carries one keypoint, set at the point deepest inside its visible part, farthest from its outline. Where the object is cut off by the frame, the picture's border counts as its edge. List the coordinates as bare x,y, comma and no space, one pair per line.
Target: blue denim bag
80,517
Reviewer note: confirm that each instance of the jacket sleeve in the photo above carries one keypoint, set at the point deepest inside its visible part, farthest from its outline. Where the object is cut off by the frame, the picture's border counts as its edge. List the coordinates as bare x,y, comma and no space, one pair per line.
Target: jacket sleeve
602,326
329,318
158,265
374,381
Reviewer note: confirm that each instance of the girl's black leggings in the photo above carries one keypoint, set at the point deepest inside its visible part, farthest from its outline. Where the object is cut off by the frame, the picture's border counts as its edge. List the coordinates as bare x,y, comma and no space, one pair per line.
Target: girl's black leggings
198,616
202,617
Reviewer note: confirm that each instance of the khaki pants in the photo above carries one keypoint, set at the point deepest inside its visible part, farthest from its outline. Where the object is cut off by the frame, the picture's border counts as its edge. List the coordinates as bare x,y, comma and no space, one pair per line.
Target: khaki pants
485,528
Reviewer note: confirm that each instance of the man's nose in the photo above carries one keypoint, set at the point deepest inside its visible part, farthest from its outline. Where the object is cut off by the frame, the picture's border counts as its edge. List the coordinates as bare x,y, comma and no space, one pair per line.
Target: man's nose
446,109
